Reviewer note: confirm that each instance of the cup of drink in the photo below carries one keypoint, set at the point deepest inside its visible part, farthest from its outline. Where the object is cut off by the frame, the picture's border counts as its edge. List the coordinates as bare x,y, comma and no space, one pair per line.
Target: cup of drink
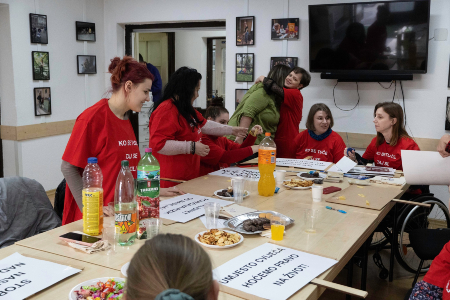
212,210
317,192
310,219
277,225
109,235
281,174
238,184
152,225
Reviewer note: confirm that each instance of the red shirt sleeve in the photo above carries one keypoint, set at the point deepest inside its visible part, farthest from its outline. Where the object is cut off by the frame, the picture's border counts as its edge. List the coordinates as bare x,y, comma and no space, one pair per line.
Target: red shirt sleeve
164,126
236,155
369,154
412,145
338,148
217,154
215,151
293,98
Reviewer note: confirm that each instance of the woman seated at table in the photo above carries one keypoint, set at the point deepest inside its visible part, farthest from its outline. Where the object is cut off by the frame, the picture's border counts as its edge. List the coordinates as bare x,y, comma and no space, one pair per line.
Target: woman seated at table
223,152
176,128
385,149
319,142
169,267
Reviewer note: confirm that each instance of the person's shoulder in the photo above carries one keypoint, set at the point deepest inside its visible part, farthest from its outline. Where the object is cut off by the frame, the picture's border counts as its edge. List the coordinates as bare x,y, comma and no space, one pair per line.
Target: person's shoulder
292,92
408,142
336,137
302,135
96,110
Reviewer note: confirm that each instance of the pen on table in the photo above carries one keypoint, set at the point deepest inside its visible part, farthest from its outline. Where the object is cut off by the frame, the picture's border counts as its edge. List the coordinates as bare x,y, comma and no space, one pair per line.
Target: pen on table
339,210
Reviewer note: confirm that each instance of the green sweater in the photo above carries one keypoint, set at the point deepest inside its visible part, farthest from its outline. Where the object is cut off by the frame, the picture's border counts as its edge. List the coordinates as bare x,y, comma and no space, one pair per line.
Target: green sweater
259,106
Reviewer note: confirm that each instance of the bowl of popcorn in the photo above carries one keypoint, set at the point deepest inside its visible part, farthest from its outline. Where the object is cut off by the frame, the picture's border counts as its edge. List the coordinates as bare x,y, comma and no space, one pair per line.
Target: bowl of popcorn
219,239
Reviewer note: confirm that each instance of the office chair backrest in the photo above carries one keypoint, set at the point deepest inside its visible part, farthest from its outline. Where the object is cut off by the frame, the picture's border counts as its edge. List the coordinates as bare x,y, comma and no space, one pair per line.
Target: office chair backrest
428,243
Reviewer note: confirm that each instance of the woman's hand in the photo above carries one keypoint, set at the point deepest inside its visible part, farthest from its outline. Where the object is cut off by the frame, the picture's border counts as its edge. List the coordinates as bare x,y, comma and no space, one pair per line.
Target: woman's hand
257,129
108,211
201,149
239,140
443,142
350,154
255,148
170,192
239,132
260,79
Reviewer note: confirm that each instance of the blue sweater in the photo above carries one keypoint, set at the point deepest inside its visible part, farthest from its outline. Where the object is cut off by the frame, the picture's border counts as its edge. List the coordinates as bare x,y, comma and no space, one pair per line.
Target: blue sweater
157,83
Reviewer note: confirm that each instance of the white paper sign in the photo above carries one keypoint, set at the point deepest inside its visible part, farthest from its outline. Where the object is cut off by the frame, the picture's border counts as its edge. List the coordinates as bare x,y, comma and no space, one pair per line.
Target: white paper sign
425,167
271,271
21,276
249,174
343,165
186,207
303,163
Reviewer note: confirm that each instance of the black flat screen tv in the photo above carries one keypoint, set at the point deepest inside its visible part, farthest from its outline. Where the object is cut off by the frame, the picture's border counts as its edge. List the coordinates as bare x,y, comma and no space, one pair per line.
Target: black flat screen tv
378,37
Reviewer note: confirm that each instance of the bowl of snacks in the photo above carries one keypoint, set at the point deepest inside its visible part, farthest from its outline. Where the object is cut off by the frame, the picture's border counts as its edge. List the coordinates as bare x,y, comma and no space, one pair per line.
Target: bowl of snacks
95,288
254,222
298,184
227,194
219,239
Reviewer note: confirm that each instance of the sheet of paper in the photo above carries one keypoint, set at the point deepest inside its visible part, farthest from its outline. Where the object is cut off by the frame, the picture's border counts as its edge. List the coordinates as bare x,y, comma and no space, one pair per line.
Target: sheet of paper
21,276
271,271
343,165
303,163
363,171
425,167
237,210
186,207
219,222
249,174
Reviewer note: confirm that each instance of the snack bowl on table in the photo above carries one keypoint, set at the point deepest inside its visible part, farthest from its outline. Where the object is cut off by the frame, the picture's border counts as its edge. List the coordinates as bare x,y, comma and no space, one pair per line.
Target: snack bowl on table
307,176
296,184
236,223
231,197
124,269
200,235
73,295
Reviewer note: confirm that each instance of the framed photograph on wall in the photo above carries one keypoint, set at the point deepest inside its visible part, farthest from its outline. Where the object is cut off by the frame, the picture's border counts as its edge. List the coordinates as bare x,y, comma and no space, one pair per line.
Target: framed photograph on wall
87,64
245,63
85,31
449,76
42,101
239,94
285,29
38,29
447,115
291,62
41,65
245,31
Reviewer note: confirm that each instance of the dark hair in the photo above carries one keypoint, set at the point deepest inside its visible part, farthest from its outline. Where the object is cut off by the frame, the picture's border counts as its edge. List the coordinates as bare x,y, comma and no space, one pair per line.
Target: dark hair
306,77
278,74
180,89
394,110
127,69
312,112
215,111
141,59
169,261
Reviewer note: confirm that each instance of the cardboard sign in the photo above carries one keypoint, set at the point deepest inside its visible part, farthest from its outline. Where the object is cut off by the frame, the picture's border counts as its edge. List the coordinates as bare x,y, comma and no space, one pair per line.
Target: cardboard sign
271,271
21,276
303,163
249,174
186,207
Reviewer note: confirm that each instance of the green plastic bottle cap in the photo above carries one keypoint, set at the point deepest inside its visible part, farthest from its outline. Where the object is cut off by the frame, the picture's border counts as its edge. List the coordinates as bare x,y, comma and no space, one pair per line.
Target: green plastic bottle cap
124,163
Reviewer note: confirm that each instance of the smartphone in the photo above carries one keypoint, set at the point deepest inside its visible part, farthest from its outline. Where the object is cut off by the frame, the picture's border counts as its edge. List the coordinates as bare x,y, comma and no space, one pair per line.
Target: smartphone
78,238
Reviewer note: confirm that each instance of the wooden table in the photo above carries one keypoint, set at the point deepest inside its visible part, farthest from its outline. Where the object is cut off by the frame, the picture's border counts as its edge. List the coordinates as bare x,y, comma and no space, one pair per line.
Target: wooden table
338,235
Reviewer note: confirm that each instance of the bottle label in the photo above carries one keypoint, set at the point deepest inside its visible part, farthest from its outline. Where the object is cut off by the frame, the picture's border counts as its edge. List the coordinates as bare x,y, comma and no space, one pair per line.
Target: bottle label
125,223
266,157
147,199
155,174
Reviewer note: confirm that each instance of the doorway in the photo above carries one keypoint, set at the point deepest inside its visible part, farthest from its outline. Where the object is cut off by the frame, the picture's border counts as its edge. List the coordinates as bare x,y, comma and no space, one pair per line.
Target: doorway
216,71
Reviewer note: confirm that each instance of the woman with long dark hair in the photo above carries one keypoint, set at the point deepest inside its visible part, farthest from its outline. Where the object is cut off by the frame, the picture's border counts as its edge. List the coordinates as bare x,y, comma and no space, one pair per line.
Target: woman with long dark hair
176,128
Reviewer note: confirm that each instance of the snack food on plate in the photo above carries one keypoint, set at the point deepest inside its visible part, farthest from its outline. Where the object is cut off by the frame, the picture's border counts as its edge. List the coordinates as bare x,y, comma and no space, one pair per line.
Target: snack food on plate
111,289
219,238
296,182
228,192
257,224
309,175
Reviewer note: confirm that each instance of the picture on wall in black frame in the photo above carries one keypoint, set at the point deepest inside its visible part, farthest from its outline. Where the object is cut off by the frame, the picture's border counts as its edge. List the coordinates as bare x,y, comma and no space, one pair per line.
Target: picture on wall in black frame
291,62
245,31
42,101
41,65
447,115
449,76
285,29
38,29
85,31
245,63
87,64
239,94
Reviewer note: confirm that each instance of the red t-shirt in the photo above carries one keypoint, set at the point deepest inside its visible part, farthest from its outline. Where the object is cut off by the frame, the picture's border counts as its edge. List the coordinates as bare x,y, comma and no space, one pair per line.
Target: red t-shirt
98,132
330,149
446,287
223,152
389,156
439,271
167,124
288,127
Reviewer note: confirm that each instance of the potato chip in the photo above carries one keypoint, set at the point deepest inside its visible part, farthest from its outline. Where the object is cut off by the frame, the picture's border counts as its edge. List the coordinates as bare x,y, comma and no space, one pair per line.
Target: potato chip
219,238
341,198
367,202
362,195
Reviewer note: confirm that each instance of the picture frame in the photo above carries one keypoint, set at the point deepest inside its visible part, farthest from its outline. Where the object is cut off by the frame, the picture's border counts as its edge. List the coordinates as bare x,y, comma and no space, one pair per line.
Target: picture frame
447,115
87,64
245,67
291,62
245,31
285,29
38,29
85,31
238,95
40,62
42,101
449,75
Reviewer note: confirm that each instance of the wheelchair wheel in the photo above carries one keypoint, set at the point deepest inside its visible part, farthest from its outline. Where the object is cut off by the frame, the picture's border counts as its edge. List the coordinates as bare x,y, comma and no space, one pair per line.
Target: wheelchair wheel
415,217
379,240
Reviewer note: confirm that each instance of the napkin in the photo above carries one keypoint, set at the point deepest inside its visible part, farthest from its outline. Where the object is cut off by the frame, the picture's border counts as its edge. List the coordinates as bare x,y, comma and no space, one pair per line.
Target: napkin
236,210
96,247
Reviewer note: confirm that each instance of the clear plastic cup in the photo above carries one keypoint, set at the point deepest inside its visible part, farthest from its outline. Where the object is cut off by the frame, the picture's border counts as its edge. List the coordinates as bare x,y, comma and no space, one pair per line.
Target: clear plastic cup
238,184
109,234
317,192
277,226
153,226
310,219
212,210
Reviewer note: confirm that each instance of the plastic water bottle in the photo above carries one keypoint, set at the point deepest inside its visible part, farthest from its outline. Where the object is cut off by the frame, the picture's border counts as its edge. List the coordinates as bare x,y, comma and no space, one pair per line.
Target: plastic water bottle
92,196
125,206
266,164
148,183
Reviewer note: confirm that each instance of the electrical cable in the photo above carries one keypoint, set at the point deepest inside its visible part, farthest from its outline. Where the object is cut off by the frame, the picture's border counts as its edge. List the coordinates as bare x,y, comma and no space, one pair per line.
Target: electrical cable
334,98
386,88
395,90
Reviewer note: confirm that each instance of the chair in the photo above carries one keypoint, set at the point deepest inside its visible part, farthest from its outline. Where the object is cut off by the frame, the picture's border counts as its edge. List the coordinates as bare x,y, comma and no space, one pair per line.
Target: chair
60,194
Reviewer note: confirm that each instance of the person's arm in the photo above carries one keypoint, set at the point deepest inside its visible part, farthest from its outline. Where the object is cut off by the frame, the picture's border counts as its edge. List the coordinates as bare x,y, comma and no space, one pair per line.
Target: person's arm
73,178
233,156
444,146
271,87
157,83
173,147
244,122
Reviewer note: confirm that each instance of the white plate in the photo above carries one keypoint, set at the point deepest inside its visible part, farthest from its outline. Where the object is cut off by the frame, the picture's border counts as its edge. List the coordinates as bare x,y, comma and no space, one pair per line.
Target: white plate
218,247
124,269
246,193
296,188
321,175
73,295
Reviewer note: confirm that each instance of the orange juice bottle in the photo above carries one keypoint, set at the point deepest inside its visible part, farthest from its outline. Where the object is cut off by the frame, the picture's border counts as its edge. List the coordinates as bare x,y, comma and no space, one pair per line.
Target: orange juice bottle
266,165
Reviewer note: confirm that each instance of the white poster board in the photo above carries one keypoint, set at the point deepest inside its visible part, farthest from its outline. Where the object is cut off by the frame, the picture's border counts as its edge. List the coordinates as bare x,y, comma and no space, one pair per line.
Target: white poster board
186,207
343,165
303,163
249,174
425,167
21,276
271,271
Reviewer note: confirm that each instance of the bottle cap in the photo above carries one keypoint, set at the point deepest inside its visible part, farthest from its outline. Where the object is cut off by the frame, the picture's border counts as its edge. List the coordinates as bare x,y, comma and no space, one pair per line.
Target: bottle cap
148,150
267,133
92,160
124,163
